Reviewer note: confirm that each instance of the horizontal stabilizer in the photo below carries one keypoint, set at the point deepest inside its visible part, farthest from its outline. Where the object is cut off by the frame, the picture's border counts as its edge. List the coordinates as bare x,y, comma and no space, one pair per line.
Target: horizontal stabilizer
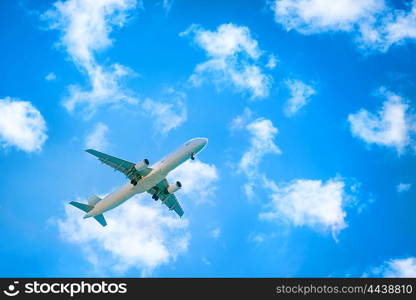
81,206
100,219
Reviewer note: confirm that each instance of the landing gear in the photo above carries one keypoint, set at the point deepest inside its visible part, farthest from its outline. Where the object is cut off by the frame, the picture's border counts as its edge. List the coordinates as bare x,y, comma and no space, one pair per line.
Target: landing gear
133,182
155,197
193,156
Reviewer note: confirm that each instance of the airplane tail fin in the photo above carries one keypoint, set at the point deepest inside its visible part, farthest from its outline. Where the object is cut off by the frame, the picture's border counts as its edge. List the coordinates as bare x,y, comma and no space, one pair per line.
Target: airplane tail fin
93,199
86,208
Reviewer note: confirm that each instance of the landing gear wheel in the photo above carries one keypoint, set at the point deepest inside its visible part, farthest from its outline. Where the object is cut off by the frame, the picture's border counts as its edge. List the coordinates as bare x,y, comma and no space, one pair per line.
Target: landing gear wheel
155,197
133,182
193,156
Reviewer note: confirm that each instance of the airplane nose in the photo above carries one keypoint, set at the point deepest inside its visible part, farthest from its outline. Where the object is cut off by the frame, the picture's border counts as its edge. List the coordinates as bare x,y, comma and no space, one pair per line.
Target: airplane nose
200,144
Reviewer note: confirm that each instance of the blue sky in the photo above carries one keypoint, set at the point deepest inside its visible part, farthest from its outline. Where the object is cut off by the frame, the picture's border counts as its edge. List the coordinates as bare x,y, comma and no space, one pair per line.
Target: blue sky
308,105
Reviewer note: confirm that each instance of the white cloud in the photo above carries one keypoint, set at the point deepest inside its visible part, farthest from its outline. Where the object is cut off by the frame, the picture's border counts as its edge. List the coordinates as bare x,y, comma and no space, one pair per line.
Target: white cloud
97,138
373,23
232,59
312,203
141,234
87,24
240,121
215,233
50,77
391,126
300,94
198,180
302,202
258,238
403,187
166,115
394,27
272,62
401,268
313,16
396,268
262,133
167,5
85,27
21,125
106,89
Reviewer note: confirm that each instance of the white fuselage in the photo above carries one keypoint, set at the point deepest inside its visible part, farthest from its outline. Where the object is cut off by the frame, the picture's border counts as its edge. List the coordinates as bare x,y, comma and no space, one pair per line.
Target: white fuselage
159,172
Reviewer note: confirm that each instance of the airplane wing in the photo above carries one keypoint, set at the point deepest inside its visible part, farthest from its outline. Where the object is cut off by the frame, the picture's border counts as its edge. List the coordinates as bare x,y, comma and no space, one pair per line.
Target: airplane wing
168,199
124,166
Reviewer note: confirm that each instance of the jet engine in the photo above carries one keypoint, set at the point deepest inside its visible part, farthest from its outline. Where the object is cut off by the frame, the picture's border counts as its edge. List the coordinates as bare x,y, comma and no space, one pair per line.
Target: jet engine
174,187
142,164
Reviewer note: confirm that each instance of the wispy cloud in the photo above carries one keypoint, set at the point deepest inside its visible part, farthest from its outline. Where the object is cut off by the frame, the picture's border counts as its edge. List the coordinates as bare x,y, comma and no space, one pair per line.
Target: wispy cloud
169,114
259,237
21,125
140,235
300,94
272,62
85,27
50,77
302,202
315,16
395,27
373,23
395,268
262,133
233,59
215,233
198,180
403,187
97,137
167,5
392,126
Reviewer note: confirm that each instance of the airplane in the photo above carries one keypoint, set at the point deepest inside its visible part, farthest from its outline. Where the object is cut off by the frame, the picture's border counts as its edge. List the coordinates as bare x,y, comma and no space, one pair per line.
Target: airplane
142,178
